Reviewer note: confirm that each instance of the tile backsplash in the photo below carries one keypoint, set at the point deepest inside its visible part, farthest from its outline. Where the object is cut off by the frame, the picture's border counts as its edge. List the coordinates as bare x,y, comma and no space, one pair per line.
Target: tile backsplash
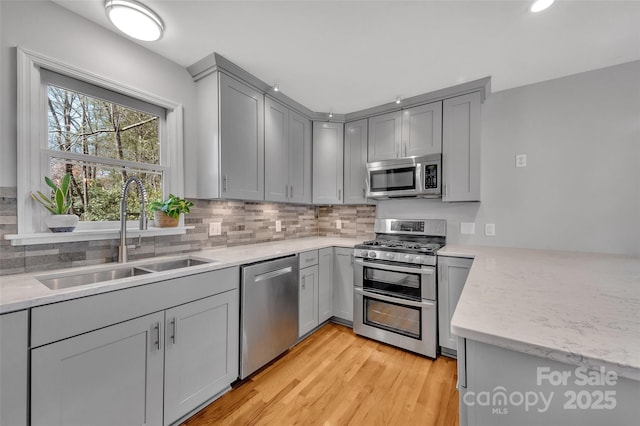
241,223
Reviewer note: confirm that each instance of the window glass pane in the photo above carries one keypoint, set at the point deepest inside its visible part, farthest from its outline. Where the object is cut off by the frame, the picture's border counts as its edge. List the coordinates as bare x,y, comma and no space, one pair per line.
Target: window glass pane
86,125
95,188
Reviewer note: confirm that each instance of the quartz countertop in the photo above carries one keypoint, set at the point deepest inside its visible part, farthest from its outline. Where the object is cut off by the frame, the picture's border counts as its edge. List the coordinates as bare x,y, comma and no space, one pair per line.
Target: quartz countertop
23,291
582,309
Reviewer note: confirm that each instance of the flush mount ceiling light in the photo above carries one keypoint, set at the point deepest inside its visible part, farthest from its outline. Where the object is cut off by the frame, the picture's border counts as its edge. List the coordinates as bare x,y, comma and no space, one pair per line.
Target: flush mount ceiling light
540,5
398,100
134,19
276,87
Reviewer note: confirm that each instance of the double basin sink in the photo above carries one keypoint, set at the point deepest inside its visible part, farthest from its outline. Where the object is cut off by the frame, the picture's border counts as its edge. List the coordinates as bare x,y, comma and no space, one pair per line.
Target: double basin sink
71,279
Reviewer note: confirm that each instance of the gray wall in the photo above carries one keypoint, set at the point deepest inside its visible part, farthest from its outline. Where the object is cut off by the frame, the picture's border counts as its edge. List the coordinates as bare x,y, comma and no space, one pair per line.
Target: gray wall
48,29
581,187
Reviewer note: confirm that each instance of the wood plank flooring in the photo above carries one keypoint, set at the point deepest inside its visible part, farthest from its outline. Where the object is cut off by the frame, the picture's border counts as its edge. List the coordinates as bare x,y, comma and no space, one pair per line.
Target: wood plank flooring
337,378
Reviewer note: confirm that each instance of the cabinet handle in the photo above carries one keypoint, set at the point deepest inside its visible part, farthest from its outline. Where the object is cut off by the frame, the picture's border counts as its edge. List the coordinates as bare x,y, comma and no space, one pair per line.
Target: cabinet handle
174,328
364,193
157,342
339,194
303,282
291,189
405,150
225,178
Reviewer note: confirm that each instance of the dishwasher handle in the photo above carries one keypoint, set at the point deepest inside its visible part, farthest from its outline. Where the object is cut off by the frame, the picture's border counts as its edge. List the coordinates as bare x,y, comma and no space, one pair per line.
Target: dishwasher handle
273,274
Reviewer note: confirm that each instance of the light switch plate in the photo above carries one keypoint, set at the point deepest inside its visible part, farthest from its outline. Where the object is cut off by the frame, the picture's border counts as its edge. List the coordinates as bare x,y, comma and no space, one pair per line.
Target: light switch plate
215,228
278,226
338,224
467,228
521,160
490,229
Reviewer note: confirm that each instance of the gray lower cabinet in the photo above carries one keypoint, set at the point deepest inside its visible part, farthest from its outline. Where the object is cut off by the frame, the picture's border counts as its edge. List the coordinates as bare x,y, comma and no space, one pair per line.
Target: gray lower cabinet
111,376
287,154
14,355
325,284
308,300
328,162
355,162
452,274
343,284
201,352
461,148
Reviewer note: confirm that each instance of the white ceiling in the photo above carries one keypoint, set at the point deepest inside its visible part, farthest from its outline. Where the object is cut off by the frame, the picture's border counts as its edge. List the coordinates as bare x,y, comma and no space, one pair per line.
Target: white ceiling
346,56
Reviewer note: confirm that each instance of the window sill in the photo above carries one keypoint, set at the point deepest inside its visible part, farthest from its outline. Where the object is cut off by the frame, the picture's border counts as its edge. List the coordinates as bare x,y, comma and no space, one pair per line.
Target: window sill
90,235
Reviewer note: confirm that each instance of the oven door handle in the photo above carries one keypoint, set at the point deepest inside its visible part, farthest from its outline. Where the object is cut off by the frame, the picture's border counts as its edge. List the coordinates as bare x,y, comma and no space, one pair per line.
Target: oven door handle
396,300
428,270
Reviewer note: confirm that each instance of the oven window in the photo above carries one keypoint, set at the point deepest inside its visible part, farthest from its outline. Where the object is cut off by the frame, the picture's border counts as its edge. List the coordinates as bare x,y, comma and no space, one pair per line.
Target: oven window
400,319
391,282
393,180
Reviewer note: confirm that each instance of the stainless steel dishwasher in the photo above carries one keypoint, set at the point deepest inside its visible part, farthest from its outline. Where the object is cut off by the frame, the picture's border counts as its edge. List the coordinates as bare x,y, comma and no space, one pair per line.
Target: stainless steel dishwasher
268,312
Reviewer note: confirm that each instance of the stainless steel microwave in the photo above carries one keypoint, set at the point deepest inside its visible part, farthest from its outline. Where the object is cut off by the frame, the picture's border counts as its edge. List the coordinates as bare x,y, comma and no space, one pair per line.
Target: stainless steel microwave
405,177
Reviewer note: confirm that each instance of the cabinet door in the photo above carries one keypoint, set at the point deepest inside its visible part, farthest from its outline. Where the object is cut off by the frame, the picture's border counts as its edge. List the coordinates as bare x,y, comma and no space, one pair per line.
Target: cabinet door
14,338
327,162
355,162
201,352
308,302
452,274
276,151
422,130
343,284
461,148
241,140
385,133
299,158
325,285
112,376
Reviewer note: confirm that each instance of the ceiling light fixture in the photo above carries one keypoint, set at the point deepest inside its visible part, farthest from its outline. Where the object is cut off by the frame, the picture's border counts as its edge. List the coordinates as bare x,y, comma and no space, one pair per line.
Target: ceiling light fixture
134,19
330,115
398,100
276,87
540,5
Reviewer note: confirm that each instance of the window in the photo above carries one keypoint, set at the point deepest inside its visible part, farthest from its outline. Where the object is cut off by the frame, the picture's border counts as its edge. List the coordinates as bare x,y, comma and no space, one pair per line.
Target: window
101,132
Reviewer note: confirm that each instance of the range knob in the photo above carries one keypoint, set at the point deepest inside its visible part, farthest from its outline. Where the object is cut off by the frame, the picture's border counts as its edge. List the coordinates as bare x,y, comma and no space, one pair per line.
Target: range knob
408,257
372,254
419,259
391,256
364,253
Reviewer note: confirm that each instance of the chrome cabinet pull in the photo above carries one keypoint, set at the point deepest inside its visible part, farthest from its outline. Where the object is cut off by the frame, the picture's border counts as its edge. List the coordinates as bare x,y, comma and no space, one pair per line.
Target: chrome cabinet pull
303,282
174,328
291,189
225,179
339,194
157,341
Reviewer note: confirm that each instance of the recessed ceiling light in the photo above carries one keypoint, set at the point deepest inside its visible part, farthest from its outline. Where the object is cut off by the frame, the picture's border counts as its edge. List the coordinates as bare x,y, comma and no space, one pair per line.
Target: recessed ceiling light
540,5
134,19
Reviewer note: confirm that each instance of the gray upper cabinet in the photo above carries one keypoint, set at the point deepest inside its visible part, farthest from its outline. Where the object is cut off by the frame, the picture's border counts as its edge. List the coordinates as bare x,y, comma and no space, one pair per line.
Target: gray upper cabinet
411,132
452,274
229,151
355,162
14,353
385,134
241,140
422,130
287,154
461,148
327,162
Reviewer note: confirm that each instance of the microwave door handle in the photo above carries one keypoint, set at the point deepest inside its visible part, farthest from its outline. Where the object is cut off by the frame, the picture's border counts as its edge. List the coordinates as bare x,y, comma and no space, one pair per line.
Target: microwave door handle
395,300
383,266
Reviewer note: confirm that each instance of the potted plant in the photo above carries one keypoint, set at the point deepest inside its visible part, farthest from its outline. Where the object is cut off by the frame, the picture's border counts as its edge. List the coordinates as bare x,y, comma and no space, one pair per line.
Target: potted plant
167,212
58,204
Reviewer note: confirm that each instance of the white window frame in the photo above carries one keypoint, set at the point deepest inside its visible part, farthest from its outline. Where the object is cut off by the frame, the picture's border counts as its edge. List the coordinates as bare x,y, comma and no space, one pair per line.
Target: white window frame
32,147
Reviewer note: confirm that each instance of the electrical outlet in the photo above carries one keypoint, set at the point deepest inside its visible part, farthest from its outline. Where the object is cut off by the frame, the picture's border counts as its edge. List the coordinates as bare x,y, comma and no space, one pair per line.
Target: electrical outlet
278,226
338,224
467,228
521,160
215,228
490,229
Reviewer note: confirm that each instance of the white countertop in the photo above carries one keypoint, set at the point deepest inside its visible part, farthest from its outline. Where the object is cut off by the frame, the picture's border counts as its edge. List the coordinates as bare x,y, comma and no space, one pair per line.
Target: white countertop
23,291
578,308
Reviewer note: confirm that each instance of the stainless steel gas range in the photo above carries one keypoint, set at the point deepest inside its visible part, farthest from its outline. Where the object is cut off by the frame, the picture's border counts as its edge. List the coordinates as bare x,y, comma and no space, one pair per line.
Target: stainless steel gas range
395,299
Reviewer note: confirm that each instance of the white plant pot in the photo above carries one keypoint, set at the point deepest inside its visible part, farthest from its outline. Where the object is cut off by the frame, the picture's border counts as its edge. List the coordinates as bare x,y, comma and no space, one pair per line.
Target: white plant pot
61,222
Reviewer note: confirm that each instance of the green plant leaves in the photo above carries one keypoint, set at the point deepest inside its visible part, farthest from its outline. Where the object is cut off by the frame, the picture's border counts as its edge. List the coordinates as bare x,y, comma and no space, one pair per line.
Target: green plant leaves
172,206
59,204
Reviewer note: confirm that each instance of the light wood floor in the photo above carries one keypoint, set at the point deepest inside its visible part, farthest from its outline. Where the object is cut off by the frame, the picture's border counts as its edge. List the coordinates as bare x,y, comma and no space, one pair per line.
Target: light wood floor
337,378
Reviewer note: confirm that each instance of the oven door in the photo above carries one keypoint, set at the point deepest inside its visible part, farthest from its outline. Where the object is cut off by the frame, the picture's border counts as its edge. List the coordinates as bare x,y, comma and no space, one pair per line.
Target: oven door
407,324
404,281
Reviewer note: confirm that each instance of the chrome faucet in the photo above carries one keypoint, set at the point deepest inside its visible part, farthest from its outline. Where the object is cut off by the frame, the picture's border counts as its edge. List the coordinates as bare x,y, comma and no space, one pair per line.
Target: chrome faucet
122,249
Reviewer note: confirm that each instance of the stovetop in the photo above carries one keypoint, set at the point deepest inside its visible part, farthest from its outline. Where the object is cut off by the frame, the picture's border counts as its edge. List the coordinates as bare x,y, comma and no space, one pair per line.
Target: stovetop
400,246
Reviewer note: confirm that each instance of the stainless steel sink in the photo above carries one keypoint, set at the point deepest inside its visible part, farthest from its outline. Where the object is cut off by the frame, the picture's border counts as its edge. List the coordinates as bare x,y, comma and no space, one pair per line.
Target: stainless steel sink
66,281
175,264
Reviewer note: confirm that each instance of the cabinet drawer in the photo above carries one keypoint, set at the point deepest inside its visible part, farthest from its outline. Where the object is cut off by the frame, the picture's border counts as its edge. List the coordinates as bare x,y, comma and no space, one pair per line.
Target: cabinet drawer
57,321
308,258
